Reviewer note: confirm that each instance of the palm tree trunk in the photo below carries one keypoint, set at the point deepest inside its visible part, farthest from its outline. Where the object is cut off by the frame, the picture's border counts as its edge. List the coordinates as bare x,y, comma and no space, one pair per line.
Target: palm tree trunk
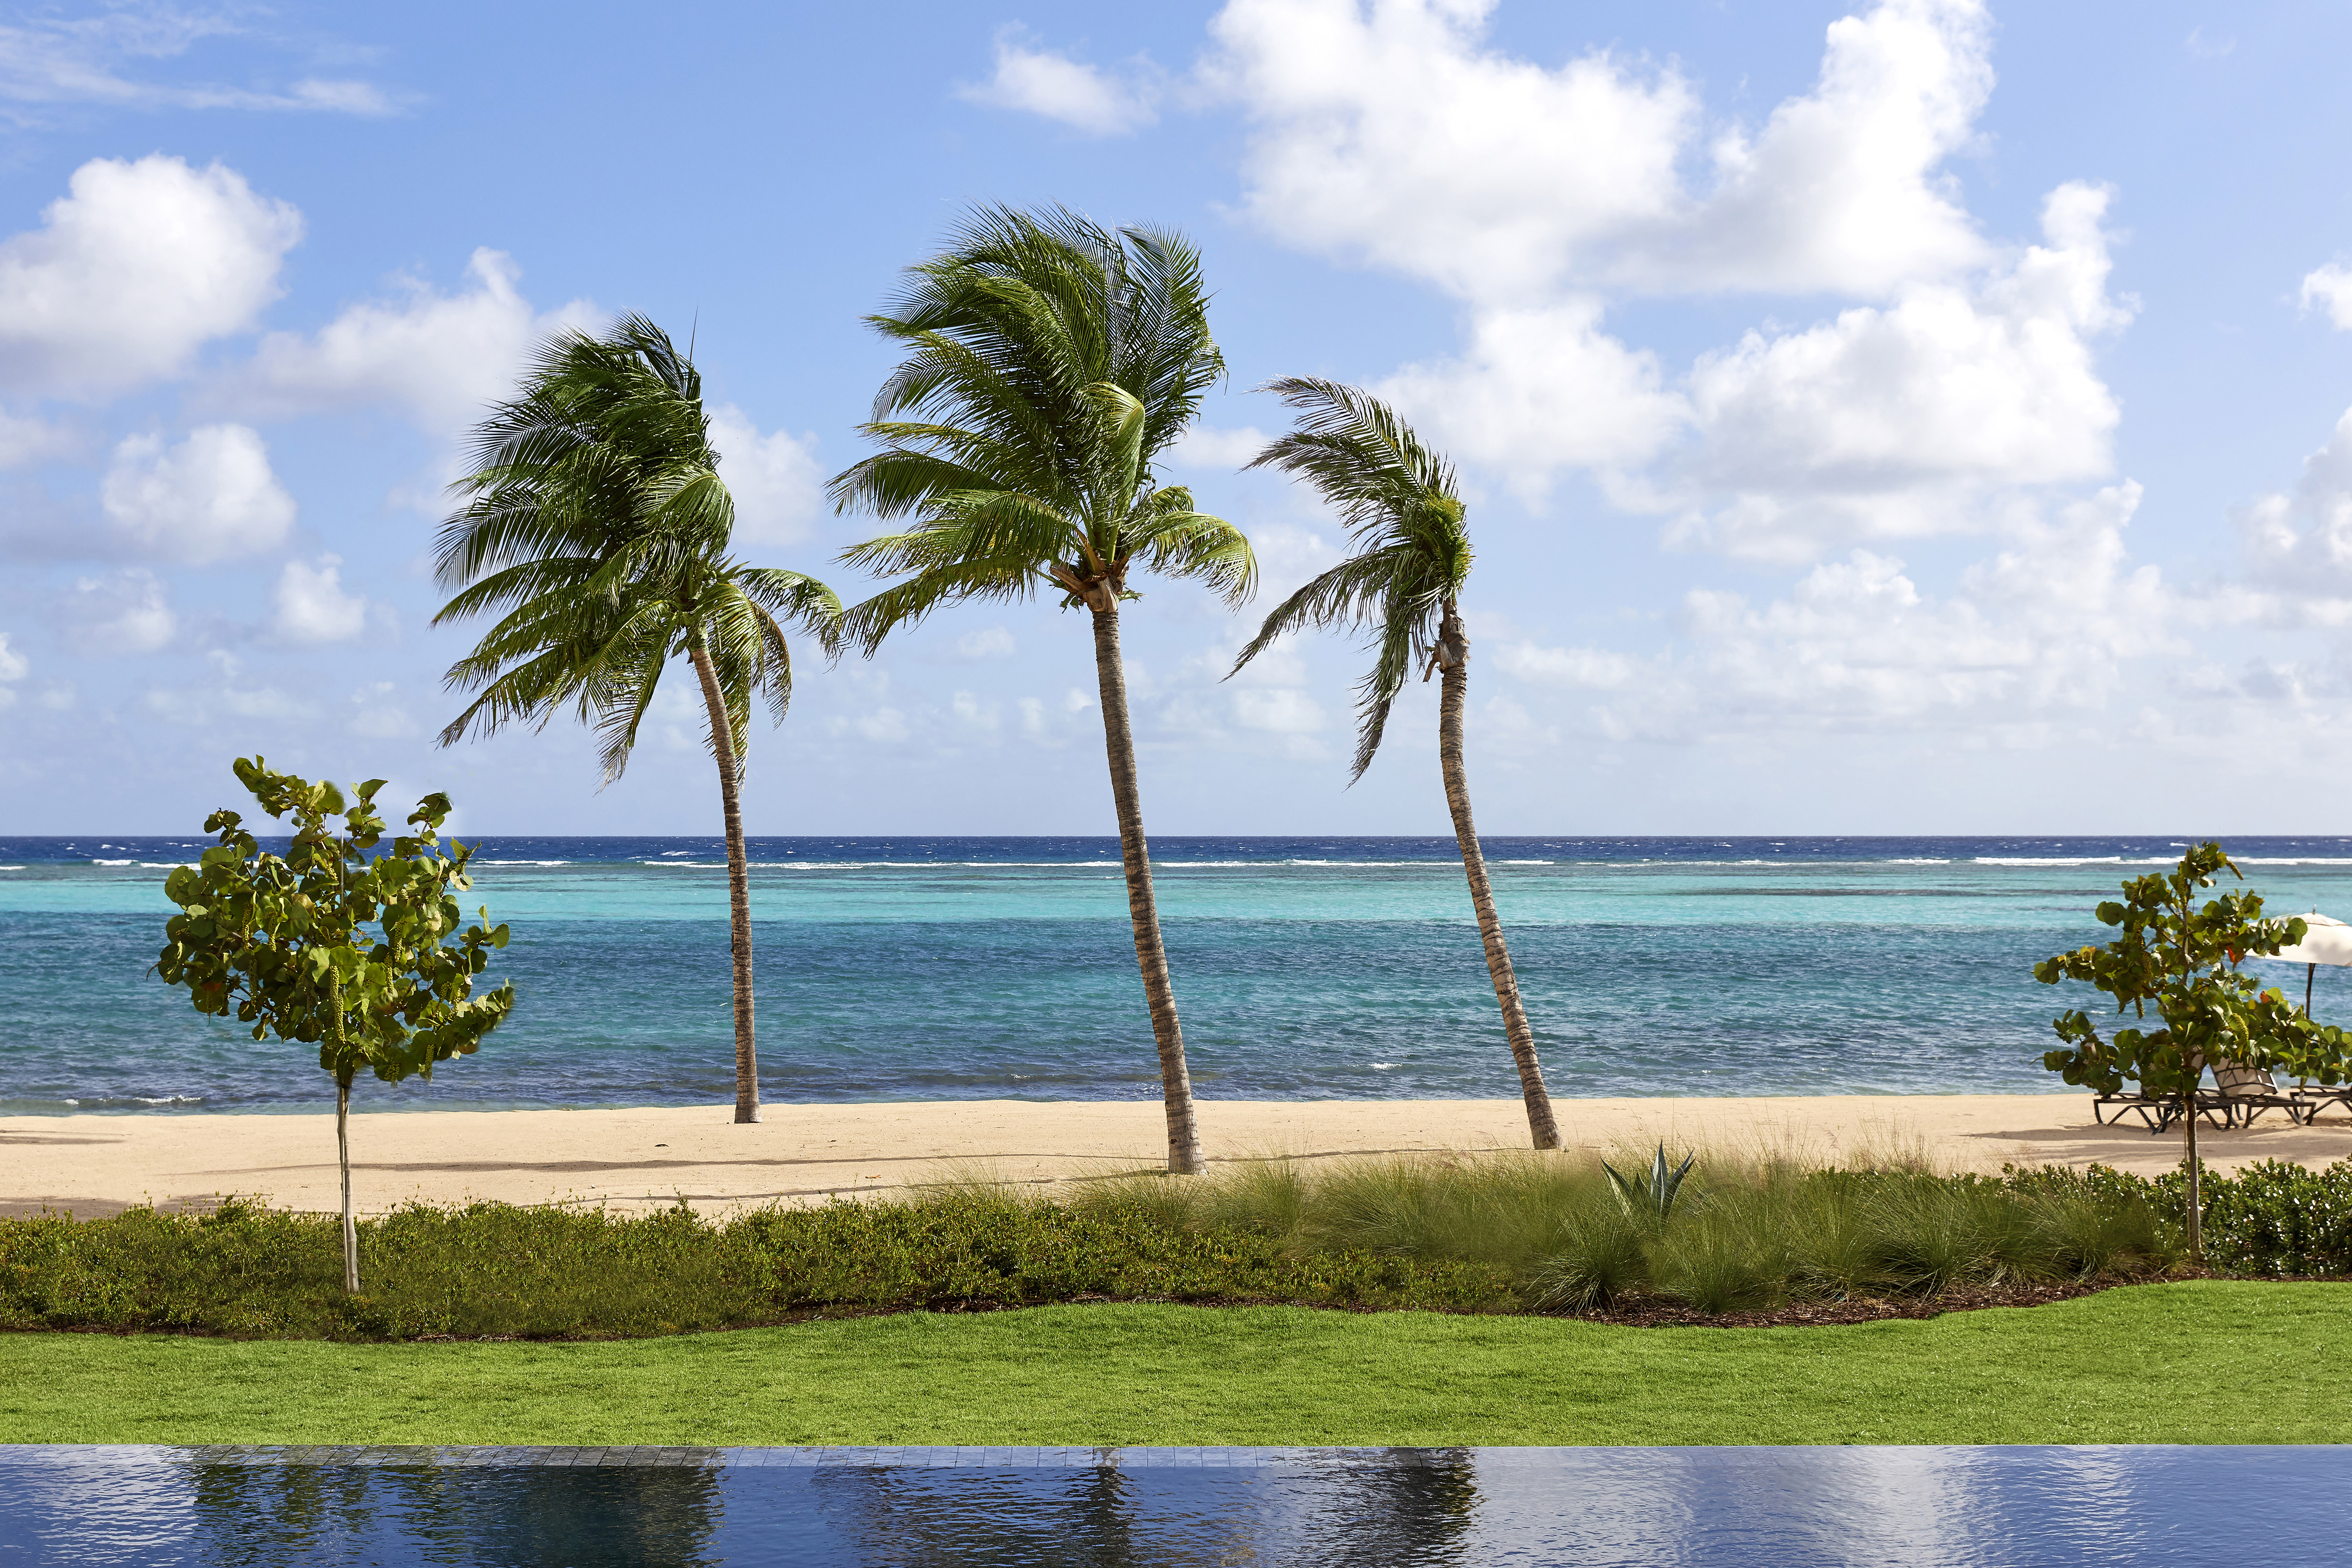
739,879
1150,956
1454,660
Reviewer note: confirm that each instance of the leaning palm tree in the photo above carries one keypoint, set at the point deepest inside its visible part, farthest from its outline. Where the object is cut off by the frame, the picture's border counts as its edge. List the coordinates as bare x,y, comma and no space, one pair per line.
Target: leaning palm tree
595,523
1048,361
1403,585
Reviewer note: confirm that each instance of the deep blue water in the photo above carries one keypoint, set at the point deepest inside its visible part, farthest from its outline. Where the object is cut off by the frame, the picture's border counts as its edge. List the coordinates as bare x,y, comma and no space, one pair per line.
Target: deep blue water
1140,1508
926,969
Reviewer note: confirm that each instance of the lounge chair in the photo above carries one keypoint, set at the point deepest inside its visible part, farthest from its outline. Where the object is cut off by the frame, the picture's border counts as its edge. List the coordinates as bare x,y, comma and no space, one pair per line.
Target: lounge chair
2247,1092
2156,1111
2318,1097
2161,1113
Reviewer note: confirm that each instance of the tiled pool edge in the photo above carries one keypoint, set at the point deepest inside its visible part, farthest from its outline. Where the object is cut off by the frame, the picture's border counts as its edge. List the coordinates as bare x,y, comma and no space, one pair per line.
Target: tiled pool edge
639,1456
463,1457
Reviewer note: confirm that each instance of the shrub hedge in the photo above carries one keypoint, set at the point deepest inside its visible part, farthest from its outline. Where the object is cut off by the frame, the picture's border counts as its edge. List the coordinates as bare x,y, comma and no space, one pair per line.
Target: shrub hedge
496,1270
1489,1234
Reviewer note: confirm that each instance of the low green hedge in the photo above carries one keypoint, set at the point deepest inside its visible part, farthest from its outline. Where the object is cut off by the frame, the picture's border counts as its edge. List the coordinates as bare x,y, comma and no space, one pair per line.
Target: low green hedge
494,1270
1498,1234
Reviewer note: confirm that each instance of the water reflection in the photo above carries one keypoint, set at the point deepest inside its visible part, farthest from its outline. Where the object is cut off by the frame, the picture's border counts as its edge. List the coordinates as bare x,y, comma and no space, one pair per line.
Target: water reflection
1407,1507
1658,1508
258,1516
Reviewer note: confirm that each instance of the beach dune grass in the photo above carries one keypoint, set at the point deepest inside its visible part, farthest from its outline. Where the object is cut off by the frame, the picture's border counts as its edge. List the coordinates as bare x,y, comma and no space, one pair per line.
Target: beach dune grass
2192,1362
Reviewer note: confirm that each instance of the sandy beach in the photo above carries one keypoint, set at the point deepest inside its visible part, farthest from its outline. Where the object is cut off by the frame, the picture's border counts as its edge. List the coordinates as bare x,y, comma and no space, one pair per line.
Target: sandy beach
635,1158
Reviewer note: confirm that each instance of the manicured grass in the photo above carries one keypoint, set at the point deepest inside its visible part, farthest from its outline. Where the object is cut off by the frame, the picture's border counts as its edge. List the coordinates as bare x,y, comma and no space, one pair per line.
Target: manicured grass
2203,1362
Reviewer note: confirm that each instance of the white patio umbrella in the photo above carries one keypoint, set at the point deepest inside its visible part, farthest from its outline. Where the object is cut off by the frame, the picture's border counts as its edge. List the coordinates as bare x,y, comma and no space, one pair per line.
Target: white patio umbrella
2329,941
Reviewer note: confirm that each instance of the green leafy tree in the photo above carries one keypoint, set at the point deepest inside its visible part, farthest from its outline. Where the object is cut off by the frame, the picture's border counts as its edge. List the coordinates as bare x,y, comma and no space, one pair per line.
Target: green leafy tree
1402,587
361,954
597,527
2181,959
1049,361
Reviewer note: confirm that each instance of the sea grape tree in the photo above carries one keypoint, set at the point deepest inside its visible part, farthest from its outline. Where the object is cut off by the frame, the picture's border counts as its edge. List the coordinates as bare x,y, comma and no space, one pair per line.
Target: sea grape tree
2181,959
361,954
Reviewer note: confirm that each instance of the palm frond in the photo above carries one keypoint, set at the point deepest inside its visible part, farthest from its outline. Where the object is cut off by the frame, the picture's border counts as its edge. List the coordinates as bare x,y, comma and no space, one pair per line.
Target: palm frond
1048,360
596,525
1396,496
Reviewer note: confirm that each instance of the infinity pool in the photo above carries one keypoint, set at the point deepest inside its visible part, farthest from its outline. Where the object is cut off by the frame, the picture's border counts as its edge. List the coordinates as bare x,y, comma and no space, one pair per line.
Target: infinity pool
1111,1508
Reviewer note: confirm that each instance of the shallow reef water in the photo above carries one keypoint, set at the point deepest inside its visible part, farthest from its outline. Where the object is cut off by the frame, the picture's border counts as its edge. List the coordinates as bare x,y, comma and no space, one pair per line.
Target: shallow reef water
948,968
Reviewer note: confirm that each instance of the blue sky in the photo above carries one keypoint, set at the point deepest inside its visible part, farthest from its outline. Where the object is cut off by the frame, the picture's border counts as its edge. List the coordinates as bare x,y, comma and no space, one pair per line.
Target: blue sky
1910,418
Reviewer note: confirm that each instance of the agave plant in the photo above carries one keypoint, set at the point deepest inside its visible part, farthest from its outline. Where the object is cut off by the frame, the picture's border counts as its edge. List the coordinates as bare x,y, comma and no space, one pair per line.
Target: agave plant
1653,1199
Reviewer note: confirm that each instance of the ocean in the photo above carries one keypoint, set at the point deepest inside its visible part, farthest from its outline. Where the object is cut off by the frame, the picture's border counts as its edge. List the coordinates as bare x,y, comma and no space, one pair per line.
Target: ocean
1310,969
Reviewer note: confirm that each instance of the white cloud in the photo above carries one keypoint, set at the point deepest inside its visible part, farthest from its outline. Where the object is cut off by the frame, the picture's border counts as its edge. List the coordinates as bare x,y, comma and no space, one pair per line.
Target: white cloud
1202,447
440,359
223,698
26,440
994,643
310,605
56,61
2305,570
1397,135
1840,190
974,712
884,725
208,498
2330,288
127,612
1577,669
1282,710
1393,135
1540,390
132,270
377,713
1289,557
776,480
2046,627
1885,422
13,667
1086,98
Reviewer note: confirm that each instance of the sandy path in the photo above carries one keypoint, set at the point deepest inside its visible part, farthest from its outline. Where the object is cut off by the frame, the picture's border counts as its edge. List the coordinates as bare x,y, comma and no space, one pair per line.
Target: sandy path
632,1158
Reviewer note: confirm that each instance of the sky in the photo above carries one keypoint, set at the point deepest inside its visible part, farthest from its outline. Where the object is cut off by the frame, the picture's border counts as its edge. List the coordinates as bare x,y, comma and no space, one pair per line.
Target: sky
1915,418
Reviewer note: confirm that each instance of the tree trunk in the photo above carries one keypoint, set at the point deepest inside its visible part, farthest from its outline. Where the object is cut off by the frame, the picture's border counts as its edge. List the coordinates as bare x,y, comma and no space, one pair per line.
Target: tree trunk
1150,956
739,879
338,1044
2195,1167
1453,661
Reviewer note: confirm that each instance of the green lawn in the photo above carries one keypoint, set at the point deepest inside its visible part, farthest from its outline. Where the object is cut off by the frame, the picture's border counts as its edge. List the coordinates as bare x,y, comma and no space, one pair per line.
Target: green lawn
2206,1362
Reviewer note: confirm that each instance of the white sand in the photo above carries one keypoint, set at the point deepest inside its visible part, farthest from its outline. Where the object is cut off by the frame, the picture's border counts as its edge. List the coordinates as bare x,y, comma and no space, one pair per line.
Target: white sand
634,1158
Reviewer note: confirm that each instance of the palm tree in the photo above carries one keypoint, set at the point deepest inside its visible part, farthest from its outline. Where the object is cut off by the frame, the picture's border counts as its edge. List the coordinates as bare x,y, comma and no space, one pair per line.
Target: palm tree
1049,361
597,525
1405,586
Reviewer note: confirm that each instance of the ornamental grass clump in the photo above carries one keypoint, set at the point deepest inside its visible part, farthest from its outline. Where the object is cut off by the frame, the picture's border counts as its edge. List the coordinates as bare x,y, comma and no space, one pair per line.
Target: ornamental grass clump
1715,1235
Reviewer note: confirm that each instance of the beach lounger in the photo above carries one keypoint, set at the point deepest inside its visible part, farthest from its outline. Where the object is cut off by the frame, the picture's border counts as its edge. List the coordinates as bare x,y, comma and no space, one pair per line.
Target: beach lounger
2318,1097
2247,1092
2161,1113
2156,1111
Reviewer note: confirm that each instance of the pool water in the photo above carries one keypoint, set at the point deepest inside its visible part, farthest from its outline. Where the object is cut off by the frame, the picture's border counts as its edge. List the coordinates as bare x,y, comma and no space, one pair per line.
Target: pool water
1113,1508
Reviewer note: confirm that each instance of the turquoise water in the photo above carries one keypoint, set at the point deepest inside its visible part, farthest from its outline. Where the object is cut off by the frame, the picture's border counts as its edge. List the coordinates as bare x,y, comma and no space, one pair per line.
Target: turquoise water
1173,1508
932,969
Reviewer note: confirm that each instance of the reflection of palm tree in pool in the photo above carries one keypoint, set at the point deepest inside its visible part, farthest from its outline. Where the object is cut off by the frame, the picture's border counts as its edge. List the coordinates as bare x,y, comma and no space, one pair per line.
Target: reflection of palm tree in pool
655,1516
1414,1509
